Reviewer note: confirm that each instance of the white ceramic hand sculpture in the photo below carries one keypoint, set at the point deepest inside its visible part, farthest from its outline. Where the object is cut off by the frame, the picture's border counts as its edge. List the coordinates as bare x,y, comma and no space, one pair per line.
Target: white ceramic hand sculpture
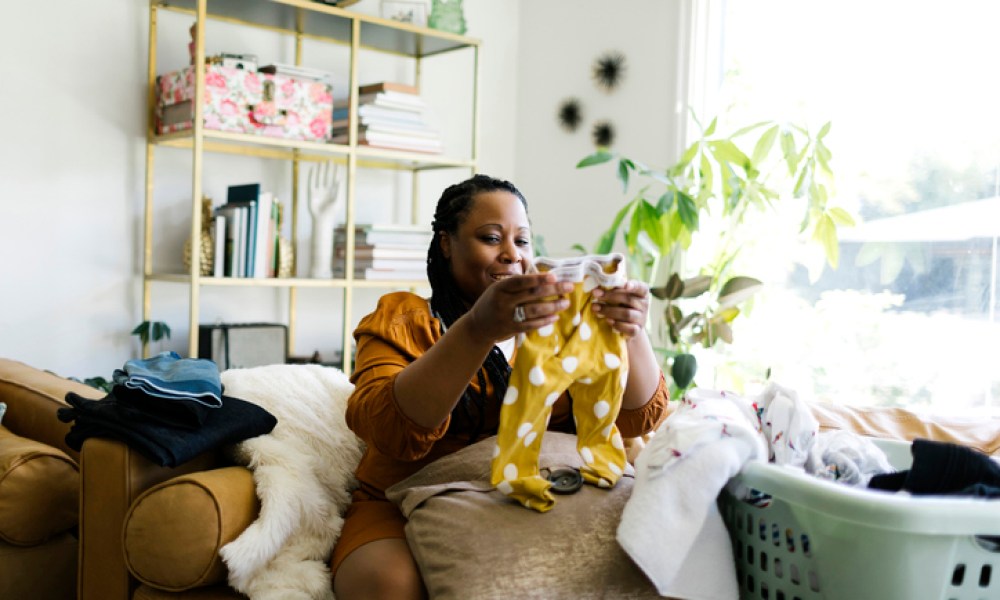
324,201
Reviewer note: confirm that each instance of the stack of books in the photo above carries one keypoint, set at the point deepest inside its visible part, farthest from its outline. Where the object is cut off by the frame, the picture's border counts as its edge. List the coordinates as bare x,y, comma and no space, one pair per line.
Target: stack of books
246,233
391,115
384,252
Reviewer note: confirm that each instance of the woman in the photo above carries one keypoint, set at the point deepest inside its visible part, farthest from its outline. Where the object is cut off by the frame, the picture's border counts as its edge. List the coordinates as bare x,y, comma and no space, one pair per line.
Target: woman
429,375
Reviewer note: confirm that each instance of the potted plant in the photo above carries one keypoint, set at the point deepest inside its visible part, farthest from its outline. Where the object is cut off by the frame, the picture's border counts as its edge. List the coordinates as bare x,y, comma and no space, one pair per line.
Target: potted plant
714,178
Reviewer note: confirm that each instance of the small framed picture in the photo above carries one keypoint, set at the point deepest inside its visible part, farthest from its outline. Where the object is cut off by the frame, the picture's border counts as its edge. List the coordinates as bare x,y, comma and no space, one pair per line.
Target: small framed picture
407,11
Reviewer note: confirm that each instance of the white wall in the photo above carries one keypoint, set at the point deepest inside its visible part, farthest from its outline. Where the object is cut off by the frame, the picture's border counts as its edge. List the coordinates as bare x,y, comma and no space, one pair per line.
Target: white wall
72,92
558,43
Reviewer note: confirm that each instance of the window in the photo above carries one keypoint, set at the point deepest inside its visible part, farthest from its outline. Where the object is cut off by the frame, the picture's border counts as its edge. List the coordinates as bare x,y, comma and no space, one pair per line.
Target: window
911,88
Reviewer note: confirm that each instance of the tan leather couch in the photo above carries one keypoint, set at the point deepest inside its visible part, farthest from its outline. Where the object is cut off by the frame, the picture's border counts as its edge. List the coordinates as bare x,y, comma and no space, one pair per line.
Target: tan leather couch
39,485
149,532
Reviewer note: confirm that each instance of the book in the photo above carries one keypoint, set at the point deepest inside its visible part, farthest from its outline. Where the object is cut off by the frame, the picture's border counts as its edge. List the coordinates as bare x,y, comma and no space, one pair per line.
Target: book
263,230
394,142
404,129
388,86
410,252
388,274
219,250
414,236
397,101
394,264
247,195
232,263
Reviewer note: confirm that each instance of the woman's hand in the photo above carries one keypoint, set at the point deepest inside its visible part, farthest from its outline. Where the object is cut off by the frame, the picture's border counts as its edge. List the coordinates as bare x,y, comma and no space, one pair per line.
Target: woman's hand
625,308
518,304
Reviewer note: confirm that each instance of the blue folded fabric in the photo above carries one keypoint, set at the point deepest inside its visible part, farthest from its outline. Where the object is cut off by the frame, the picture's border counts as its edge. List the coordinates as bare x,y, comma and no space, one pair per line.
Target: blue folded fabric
169,376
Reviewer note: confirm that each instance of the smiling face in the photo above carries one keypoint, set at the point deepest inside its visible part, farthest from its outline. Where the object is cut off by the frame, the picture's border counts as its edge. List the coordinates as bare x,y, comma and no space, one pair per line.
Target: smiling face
492,243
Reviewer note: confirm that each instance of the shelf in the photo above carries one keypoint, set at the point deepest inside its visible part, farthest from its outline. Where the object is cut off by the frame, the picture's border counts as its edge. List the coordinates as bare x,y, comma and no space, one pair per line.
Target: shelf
246,144
323,22
302,20
285,282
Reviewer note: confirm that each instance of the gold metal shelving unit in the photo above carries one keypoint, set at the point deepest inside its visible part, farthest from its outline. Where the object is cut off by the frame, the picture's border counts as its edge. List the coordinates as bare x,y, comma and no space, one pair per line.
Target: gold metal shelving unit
303,20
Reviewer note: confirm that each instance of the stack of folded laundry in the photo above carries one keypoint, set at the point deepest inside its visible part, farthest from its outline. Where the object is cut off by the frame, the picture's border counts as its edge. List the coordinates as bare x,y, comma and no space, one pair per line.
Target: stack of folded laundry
169,409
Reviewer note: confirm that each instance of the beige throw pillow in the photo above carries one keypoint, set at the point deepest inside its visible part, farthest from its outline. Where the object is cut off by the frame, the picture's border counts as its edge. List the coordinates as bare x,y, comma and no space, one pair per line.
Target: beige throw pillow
471,542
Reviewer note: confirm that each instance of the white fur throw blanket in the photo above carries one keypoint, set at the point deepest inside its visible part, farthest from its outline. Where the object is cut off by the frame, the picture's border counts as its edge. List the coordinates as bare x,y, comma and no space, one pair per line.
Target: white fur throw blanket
303,470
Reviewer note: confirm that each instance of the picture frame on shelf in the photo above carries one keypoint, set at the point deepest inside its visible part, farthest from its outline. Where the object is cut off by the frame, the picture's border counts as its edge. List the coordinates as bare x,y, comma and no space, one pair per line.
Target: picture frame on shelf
406,11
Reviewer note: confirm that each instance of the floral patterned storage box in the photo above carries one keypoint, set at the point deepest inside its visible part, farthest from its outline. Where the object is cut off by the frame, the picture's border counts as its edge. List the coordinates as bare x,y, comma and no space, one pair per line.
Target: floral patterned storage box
247,102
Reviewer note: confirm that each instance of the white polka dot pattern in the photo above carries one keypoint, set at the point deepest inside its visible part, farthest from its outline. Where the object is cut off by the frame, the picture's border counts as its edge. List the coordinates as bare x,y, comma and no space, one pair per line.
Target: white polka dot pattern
570,363
511,396
536,376
601,409
585,332
523,430
612,361
587,455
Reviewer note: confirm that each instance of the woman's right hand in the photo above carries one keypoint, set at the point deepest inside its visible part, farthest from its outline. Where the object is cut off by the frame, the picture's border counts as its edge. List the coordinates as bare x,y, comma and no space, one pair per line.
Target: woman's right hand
494,316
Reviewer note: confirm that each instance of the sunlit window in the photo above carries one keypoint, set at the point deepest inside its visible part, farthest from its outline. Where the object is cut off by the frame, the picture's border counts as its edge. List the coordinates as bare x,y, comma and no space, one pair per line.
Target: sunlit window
913,93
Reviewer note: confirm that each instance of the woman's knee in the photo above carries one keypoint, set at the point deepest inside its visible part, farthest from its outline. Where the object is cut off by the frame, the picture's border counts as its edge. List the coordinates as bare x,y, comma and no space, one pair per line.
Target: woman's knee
379,569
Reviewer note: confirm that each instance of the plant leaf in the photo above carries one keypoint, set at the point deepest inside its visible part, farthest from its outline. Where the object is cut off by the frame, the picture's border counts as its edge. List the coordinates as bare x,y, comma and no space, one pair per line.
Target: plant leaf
826,234
726,152
601,156
763,146
841,217
788,151
749,128
687,209
607,240
824,130
674,287
142,331
738,289
696,286
683,370
623,172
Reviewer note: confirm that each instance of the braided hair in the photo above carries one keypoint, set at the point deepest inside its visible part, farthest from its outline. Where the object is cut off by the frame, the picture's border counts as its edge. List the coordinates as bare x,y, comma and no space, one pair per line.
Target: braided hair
448,305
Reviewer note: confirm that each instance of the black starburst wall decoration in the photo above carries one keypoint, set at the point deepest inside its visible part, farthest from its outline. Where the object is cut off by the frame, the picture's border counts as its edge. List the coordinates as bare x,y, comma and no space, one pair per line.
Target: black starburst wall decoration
603,134
609,70
570,114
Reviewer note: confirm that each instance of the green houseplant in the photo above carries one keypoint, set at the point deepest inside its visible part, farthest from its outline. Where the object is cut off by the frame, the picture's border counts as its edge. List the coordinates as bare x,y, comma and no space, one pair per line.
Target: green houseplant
720,177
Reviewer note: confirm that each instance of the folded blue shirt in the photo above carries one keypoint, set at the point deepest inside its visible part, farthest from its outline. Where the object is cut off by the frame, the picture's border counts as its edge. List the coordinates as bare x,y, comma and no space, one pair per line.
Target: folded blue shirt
169,376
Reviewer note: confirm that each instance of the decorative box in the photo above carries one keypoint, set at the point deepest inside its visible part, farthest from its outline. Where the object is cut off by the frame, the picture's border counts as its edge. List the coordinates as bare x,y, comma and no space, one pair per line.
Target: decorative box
245,101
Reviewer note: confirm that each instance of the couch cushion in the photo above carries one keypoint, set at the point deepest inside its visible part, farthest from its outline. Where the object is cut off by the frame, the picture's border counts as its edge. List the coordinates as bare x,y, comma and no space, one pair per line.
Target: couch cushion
39,490
470,541
894,423
33,396
173,531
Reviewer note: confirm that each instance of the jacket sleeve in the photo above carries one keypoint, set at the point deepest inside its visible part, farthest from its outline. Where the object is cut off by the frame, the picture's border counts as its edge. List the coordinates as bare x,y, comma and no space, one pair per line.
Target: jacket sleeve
388,340
639,421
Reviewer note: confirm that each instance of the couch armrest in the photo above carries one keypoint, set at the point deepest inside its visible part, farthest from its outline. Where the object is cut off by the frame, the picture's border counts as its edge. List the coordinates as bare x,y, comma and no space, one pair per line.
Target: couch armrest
113,476
33,396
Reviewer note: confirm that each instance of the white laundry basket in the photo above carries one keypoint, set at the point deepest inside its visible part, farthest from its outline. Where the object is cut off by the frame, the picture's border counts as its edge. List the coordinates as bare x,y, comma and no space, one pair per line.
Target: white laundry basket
821,540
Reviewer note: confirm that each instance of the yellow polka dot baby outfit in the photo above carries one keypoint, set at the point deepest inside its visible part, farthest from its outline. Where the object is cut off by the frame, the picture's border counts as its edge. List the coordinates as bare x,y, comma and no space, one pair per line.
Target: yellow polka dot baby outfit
579,352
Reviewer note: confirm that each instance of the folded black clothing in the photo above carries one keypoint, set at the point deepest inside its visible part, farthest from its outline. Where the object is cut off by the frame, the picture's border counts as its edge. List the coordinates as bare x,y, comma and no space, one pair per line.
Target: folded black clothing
236,420
942,468
187,413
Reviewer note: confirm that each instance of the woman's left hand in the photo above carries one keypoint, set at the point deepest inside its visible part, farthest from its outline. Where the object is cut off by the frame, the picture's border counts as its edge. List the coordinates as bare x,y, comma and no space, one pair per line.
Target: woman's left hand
625,307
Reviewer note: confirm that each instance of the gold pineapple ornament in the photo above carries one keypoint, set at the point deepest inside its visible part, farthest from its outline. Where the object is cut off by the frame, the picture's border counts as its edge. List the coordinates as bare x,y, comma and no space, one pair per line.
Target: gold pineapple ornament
207,245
